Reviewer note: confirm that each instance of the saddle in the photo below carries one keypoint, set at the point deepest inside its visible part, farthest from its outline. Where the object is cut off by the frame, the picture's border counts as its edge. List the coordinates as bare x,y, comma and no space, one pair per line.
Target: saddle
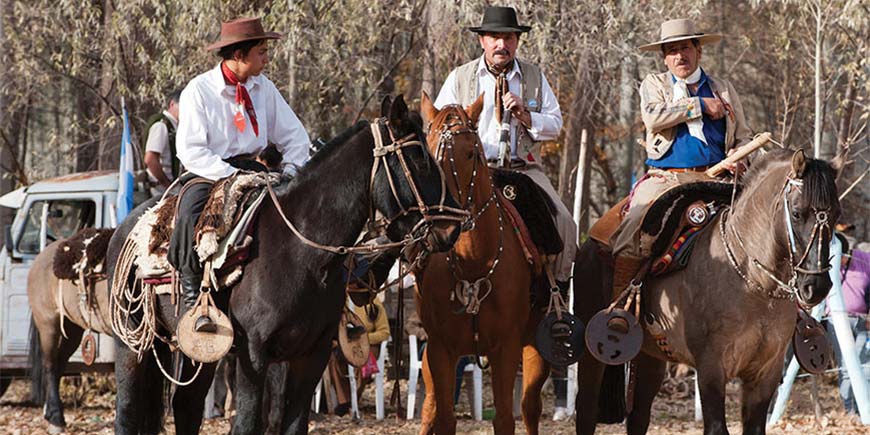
671,223
534,208
223,236
83,255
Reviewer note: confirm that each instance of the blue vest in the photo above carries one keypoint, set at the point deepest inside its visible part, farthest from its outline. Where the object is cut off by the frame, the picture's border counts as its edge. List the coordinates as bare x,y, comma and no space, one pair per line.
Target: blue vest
687,150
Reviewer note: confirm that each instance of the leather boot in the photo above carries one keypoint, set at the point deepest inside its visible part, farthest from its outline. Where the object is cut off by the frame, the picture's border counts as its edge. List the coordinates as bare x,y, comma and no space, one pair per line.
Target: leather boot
625,267
190,289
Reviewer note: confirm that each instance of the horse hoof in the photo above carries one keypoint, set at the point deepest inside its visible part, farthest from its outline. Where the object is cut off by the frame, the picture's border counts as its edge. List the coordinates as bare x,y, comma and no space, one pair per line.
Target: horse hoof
55,430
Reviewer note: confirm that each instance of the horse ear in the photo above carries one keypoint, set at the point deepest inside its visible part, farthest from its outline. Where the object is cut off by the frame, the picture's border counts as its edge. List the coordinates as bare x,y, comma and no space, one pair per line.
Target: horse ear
475,108
427,109
398,110
798,164
385,106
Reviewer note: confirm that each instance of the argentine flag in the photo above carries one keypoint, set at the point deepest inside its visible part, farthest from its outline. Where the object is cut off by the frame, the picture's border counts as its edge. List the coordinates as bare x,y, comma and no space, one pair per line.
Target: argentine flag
125,172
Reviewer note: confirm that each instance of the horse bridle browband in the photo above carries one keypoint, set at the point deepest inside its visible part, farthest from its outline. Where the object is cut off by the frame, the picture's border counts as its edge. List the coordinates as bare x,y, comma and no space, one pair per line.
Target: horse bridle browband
784,290
381,152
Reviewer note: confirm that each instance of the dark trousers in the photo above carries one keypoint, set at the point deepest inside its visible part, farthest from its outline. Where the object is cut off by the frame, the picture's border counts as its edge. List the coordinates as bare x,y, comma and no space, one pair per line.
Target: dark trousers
182,254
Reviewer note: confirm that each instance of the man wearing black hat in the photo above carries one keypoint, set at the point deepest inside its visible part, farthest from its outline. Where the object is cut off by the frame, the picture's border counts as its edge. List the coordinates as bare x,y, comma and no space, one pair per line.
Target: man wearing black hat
519,112
229,114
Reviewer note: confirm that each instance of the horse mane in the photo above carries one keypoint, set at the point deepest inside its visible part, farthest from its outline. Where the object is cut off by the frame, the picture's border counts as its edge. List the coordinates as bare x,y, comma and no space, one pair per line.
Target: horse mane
819,188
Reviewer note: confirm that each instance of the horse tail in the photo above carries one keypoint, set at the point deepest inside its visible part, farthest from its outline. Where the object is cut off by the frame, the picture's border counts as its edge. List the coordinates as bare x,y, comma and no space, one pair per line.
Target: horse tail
611,399
37,374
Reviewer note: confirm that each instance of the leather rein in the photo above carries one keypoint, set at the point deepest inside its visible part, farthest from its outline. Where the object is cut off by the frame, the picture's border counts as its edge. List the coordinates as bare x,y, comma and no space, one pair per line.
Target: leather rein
420,231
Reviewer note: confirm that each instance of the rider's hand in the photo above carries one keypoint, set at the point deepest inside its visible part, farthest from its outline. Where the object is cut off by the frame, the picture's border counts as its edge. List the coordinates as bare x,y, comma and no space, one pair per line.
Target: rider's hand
714,108
518,109
733,167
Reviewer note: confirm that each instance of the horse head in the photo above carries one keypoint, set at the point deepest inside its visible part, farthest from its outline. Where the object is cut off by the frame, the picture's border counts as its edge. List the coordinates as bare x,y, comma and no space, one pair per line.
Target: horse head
453,140
409,187
811,208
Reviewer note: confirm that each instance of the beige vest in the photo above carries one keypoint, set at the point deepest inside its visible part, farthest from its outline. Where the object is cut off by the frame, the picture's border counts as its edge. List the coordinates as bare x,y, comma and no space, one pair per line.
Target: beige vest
530,90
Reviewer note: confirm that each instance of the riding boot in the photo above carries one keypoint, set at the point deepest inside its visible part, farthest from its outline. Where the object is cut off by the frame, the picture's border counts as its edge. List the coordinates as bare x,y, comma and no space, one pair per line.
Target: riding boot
625,267
190,290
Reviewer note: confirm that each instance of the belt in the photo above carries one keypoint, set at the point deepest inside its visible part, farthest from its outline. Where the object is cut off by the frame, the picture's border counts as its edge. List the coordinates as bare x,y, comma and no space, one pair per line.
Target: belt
684,170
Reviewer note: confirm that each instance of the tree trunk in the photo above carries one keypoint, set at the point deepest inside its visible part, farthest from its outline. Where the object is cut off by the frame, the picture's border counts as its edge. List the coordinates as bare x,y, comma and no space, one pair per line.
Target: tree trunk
109,150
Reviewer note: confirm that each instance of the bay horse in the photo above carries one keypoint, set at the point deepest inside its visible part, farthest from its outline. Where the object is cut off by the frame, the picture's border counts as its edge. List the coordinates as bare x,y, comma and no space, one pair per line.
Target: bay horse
488,258
732,311
287,305
59,334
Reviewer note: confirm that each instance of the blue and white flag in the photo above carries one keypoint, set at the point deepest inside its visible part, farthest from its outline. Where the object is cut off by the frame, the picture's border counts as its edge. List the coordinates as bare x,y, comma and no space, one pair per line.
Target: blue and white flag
125,173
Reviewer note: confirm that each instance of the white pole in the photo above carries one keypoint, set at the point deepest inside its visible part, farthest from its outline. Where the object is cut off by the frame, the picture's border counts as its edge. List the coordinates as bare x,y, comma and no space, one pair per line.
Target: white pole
845,339
578,199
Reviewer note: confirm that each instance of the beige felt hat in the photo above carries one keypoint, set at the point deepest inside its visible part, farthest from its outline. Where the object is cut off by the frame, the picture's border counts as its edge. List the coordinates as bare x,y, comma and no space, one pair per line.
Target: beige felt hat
679,30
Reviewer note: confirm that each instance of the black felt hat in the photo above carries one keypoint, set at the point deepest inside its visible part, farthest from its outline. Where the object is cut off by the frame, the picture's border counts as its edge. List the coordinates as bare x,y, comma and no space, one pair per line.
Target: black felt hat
497,19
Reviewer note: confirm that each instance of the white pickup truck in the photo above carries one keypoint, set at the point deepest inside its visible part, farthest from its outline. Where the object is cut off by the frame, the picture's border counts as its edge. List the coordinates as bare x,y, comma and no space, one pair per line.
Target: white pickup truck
48,210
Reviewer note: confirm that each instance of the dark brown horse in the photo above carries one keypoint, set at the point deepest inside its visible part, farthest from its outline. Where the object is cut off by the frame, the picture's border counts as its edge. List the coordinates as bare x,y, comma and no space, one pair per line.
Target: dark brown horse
731,312
60,317
287,305
486,276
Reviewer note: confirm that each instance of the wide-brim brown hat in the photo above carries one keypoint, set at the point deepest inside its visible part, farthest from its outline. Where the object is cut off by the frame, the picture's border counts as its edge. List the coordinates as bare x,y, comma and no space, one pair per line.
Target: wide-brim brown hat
498,19
241,30
680,30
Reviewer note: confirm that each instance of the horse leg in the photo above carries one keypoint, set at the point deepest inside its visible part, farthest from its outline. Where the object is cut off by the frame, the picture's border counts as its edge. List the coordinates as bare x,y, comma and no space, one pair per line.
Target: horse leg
650,374
535,372
757,394
505,362
188,403
128,382
590,372
428,410
711,383
275,397
302,377
439,375
250,377
56,351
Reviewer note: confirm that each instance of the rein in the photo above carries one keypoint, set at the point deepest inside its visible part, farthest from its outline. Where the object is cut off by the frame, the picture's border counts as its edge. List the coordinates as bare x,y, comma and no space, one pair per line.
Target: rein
783,290
381,152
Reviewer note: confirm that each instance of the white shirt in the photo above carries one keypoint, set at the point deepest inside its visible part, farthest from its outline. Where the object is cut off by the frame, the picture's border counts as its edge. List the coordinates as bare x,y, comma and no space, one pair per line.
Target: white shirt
158,142
207,134
546,124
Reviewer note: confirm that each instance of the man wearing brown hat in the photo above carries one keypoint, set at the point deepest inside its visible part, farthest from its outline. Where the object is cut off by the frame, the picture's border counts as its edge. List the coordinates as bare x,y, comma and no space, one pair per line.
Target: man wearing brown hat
519,112
228,115
693,120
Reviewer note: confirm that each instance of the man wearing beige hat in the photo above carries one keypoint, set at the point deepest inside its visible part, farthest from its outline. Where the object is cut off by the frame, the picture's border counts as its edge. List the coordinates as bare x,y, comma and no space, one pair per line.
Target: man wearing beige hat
228,115
693,120
520,111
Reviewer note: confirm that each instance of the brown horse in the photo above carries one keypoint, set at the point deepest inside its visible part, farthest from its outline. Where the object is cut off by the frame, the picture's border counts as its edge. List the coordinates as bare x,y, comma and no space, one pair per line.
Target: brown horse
487,266
730,313
60,334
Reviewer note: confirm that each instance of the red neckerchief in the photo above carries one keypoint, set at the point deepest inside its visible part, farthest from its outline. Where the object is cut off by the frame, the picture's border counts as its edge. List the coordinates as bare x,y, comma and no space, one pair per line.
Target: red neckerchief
242,96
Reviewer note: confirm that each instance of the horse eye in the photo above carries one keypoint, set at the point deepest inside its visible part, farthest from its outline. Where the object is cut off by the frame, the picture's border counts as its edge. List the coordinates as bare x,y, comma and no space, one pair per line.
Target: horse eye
796,214
470,154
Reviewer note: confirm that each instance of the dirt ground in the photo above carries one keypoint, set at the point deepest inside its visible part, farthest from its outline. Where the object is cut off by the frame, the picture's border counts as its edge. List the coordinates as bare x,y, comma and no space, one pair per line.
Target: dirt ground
89,410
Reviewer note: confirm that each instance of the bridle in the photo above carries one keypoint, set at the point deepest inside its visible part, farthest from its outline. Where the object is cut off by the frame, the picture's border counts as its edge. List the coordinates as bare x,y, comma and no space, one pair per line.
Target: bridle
821,228
421,230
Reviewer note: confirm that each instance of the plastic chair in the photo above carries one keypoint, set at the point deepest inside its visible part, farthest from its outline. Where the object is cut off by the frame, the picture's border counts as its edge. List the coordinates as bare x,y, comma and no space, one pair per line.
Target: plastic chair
416,365
379,385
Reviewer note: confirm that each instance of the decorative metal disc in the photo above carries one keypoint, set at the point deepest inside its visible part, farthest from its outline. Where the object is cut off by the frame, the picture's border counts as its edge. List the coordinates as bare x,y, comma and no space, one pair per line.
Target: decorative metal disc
811,346
89,348
352,339
560,342
609,345
205,347
509,191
